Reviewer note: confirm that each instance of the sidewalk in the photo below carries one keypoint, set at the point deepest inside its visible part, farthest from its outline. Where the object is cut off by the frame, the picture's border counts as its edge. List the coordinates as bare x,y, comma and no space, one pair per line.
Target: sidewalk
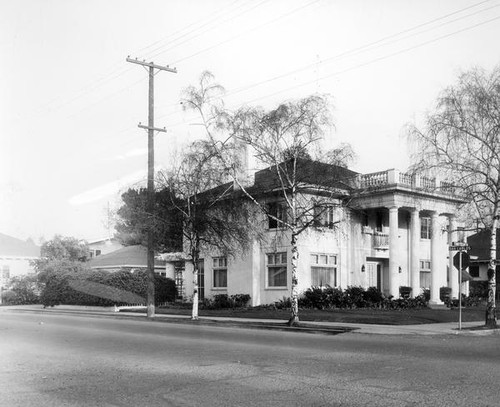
448,328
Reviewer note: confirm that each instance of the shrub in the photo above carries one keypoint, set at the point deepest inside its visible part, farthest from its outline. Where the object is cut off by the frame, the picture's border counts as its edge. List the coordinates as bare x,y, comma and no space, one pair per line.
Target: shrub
102,288
221,301
353,297
405,292
445,294
374,297
240,300
23,290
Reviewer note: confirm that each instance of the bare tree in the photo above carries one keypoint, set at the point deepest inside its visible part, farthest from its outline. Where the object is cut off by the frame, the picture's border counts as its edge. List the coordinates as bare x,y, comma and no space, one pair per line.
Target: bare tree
461,140
212,216
298,191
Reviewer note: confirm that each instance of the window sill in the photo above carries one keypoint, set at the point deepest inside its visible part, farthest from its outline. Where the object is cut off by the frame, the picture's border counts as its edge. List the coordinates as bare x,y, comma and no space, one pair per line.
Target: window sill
276,288
219,288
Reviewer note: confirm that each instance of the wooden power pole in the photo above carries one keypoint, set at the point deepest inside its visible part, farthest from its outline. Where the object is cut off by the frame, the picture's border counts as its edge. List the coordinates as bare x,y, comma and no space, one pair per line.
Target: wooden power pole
151,186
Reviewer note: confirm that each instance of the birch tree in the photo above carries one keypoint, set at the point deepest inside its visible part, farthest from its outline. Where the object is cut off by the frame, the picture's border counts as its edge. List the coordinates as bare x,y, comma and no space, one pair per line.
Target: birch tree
212,216
283,140
461,140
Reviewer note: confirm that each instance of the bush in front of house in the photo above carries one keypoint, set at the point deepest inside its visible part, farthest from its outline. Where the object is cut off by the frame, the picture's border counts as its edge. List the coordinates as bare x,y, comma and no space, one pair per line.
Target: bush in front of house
355,297
22,291
405,292
224,301
102,288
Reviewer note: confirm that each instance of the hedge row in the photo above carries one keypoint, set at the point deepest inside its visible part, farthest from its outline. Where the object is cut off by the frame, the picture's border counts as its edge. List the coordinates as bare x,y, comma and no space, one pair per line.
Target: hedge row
358,297
220,301
103,288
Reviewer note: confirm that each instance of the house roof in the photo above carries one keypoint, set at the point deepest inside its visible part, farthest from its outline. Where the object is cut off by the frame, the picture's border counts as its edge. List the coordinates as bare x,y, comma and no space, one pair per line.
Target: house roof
311,174
308,172
10,246
480,244
129,256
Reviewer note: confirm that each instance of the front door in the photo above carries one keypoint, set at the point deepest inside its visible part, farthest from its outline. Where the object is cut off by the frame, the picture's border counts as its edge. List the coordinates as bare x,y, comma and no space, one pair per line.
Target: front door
374,275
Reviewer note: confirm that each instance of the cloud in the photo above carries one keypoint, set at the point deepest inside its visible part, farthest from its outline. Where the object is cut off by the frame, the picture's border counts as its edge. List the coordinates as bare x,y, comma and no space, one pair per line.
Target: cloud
108,189
132,153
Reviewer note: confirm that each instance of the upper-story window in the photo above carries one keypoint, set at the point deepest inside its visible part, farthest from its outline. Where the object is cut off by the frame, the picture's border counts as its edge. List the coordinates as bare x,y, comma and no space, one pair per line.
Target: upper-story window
219,267
325,216
425,228
379,222
277,215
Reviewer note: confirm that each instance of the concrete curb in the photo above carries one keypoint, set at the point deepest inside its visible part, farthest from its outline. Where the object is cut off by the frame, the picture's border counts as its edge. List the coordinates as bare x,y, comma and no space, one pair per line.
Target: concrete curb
332,328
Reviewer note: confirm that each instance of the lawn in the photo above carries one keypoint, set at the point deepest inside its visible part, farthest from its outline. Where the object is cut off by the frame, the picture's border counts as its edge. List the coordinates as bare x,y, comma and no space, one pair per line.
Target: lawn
360,316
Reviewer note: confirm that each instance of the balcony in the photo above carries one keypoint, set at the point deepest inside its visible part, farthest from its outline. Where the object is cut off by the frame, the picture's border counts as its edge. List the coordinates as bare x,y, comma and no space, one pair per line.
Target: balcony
380,241
397,178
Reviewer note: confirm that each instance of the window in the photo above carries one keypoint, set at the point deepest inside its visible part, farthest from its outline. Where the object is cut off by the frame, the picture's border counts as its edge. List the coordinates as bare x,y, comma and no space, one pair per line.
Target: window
276,270
201,279
425,228
219,268
379,222
5,272
325,216
179,267
323,270
425,274
278,211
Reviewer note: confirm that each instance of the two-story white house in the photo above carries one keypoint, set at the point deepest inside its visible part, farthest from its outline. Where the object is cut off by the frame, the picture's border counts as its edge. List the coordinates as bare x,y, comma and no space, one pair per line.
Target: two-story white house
386,229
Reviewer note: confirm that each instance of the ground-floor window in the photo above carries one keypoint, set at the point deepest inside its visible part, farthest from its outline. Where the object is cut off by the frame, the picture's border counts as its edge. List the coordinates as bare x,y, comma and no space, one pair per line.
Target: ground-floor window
323,270
201,279
425,274
6,272
179,268
276,269
219,267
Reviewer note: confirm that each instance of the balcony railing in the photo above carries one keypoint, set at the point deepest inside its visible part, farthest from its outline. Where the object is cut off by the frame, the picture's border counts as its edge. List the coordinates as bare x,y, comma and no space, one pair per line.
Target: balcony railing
380,240
396,177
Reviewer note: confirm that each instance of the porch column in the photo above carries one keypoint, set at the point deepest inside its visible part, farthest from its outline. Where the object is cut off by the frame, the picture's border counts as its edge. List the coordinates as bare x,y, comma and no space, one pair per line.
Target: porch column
393,252
415,251
452,237
435,259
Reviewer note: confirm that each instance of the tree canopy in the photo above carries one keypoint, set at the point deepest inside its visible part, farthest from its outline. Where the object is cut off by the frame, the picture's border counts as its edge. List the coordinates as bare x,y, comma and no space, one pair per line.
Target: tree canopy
166,221
460,140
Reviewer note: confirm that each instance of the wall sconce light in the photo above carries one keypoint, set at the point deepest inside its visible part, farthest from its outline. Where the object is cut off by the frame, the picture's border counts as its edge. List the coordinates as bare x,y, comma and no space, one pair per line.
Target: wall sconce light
363,268
400,270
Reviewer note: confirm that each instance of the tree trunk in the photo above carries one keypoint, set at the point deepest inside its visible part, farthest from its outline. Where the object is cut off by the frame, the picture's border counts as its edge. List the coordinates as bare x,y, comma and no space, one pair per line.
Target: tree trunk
491,317
294,319
195,257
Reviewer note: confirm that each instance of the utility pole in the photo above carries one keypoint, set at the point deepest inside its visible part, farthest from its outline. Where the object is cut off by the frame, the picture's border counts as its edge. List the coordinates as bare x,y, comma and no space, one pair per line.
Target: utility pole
150,66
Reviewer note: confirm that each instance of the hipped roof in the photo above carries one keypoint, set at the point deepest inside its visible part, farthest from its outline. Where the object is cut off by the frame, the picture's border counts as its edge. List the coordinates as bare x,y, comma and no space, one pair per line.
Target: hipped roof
480,244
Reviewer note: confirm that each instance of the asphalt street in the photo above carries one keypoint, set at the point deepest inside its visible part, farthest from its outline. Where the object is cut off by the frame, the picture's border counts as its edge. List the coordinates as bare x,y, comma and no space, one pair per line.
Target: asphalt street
52,359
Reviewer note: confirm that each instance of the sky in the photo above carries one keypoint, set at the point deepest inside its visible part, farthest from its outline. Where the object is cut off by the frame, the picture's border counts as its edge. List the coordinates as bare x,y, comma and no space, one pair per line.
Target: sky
70,103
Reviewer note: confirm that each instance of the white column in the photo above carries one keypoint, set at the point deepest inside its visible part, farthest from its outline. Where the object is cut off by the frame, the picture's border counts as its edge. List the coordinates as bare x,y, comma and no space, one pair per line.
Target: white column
415,251
393,252
452,237
435,259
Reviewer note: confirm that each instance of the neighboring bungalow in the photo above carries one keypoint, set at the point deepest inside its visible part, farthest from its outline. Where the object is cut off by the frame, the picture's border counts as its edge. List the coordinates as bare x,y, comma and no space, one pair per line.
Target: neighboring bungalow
127,258
480,254
16,257
394,231
103,246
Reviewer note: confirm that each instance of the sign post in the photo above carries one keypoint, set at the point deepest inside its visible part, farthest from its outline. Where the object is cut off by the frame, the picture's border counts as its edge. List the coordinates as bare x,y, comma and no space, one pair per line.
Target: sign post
461,261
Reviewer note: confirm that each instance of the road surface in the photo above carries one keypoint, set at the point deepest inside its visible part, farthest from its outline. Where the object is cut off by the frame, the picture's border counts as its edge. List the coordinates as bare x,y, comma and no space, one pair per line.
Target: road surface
51,359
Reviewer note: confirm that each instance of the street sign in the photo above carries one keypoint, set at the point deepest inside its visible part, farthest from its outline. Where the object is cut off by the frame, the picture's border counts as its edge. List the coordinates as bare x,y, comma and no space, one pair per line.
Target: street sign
465,260
457,246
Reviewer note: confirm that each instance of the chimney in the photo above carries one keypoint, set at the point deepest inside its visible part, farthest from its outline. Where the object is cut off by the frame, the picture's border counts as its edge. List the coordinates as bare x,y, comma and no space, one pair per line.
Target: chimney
243,174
